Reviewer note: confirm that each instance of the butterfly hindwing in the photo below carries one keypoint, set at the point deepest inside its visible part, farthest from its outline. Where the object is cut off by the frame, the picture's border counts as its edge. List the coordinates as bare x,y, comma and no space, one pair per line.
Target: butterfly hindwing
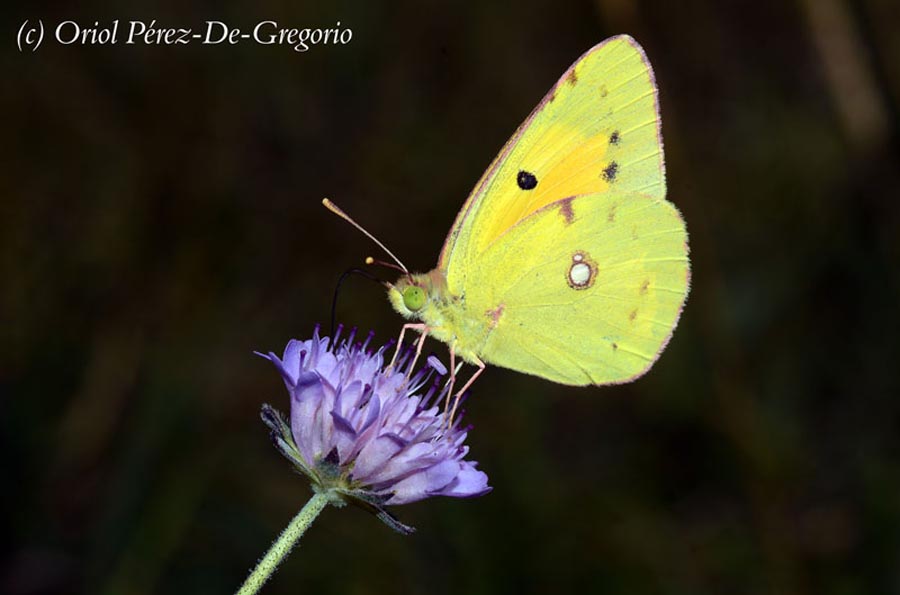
585,291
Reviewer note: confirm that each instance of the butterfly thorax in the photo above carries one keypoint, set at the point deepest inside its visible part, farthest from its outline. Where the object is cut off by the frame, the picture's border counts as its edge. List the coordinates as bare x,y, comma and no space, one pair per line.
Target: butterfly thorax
443,313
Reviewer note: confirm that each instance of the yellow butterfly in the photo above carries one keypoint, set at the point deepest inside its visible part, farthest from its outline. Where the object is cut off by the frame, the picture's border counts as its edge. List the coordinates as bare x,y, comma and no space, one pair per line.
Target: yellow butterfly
566,261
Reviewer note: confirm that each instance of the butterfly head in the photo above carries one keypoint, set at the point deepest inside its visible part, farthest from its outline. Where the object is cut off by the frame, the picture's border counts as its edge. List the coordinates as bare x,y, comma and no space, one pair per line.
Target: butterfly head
408,296
412,295
414,298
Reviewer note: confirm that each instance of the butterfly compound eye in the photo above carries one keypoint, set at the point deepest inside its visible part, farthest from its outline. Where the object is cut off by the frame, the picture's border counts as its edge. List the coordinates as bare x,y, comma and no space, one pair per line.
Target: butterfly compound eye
414,298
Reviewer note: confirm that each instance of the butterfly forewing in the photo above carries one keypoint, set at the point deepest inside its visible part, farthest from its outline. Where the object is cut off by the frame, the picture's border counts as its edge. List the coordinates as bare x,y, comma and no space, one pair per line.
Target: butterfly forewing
597,130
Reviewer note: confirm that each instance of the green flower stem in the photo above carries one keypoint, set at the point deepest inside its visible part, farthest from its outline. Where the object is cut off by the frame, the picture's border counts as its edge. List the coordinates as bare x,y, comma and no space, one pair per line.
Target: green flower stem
284,544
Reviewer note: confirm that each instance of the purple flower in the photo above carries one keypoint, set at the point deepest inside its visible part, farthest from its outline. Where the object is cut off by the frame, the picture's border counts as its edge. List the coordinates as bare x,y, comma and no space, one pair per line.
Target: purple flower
366,434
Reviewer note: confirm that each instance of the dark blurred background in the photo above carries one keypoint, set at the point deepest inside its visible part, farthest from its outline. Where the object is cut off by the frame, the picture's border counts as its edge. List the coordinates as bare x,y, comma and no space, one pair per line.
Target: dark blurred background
161,219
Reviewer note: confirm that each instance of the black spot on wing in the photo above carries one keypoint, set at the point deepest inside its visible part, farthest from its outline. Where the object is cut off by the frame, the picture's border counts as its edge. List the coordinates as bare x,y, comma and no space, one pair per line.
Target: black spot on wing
614,138
610,171
526,180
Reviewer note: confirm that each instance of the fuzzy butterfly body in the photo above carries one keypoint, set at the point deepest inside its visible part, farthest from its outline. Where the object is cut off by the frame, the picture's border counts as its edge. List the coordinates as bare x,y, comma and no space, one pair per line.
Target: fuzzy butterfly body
566,261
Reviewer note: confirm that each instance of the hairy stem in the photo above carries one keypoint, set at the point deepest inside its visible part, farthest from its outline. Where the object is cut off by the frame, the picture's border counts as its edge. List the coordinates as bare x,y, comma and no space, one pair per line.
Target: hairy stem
284,544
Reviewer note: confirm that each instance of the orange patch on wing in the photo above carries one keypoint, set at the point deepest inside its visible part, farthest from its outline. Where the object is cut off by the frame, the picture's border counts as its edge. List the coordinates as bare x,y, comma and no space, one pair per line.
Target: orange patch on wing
574,174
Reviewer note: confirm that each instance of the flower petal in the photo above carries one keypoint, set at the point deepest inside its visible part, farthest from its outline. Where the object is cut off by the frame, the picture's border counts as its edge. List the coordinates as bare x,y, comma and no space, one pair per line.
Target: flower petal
468,483
405,462
285,375
344,436
424,483
306,401
373,455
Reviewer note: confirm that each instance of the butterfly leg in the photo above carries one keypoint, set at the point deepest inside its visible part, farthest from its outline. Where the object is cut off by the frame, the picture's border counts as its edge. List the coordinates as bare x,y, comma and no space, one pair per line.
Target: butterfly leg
451,382
422,328
465,387
419,344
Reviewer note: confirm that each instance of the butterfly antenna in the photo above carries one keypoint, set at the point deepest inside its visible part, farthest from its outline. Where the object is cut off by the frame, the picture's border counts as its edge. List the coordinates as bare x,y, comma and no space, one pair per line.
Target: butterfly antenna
337,289
337,211
388,265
